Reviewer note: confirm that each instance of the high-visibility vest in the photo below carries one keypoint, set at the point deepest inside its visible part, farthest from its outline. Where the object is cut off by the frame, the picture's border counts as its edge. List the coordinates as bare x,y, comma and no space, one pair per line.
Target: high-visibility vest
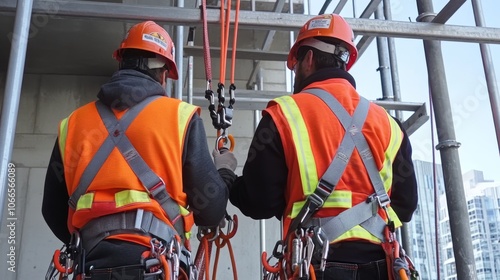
157,133
311,133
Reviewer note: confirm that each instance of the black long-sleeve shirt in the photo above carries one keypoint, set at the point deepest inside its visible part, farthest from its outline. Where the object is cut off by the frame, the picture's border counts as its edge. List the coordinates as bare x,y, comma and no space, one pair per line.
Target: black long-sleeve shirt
260,192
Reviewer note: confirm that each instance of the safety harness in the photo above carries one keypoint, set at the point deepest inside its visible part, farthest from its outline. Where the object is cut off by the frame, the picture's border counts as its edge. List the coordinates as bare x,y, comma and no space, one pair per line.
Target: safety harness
309,236
166,248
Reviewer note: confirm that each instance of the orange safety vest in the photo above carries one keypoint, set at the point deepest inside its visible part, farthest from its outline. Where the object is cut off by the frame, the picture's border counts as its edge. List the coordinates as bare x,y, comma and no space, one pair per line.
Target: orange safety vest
311,133
157,133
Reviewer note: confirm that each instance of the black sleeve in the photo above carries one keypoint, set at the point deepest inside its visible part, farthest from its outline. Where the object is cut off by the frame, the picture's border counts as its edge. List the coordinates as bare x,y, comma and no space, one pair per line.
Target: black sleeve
206,191
55,197
404,196
260,192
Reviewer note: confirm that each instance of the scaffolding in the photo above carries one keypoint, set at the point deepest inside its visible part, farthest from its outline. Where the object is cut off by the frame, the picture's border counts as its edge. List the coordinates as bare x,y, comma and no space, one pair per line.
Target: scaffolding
430,27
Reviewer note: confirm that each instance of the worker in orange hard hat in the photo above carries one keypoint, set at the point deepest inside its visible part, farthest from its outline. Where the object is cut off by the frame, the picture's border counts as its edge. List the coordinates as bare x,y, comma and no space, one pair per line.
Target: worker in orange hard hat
131,173
328,163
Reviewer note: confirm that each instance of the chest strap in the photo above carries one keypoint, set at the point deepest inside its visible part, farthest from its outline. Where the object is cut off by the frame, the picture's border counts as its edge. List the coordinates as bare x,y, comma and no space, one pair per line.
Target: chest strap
117,138
363,214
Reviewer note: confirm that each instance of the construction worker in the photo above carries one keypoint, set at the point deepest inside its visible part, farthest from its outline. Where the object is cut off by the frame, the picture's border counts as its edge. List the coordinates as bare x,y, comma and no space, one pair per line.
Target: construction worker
298,139
131,172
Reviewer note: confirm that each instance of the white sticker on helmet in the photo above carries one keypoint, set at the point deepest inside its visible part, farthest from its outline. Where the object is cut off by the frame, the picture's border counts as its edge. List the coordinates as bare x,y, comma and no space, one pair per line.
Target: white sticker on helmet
156,62
320,23
160,41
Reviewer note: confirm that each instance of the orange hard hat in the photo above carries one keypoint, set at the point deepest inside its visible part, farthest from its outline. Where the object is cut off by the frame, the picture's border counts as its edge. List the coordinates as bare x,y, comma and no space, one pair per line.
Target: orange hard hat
326,26
151,37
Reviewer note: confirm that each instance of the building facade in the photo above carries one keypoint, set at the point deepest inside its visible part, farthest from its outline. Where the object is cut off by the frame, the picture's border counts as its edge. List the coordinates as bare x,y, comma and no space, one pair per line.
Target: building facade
483,205
422,228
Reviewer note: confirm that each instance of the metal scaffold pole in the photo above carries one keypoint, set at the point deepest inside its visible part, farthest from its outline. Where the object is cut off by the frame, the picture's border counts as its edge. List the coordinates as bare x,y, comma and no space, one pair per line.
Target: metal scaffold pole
489,71
448,147
12,94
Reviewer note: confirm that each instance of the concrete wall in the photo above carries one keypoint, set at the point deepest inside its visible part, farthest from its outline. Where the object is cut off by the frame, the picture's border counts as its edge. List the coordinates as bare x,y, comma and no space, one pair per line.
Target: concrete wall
45,100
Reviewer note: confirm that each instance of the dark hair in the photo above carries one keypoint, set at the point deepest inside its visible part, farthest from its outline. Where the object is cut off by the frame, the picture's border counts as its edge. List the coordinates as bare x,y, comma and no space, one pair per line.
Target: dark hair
138,60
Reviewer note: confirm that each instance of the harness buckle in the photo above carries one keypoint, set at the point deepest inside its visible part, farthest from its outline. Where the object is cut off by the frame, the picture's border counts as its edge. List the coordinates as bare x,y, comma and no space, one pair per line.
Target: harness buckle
319,196
138,219
158,192
325,187
382,200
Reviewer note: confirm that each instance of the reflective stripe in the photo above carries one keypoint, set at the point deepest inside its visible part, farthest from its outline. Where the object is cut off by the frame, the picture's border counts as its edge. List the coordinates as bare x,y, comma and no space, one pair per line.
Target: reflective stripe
85,201
185,112
338,199
122,198
358,232
63,133
390,153
183,211
300,134
394,217
127,197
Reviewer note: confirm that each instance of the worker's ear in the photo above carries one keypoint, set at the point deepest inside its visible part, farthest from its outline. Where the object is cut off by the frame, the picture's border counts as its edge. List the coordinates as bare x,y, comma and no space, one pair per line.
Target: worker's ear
163,77
308,61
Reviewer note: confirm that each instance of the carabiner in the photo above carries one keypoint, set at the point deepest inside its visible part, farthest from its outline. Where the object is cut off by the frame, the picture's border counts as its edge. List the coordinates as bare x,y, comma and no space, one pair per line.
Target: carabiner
203,232
224,138
272,269
57,261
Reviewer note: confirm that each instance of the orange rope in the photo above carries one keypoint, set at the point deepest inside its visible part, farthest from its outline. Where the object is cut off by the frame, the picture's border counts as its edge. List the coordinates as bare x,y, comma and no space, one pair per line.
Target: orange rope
235,36
225,23
273,269
165,266
221,241
312,273
223,40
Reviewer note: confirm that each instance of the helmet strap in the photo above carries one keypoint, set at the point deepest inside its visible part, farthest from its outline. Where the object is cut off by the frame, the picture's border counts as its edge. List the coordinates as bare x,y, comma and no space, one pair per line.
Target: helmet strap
141,64
339,52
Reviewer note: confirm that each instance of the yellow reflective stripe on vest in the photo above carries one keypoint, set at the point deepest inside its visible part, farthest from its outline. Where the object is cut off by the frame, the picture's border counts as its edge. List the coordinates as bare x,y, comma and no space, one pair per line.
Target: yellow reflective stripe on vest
126,197
63,133
186,110
338,199
122,198
307,164
85,201
358,232
390,153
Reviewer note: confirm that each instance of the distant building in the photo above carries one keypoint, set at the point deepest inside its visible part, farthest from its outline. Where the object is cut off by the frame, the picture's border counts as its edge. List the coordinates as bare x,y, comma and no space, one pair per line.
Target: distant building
422,228
483,205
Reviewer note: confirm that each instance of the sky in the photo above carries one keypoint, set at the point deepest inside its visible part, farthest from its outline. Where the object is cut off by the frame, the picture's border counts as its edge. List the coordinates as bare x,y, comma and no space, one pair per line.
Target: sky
471,109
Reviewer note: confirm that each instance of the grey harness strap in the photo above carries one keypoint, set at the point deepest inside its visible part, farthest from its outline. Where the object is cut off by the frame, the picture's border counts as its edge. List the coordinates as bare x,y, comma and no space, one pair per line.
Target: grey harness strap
363,214
117,138
137,222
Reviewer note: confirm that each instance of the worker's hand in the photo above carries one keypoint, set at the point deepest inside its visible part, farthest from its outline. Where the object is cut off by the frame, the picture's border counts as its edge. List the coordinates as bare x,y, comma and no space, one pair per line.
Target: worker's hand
224,158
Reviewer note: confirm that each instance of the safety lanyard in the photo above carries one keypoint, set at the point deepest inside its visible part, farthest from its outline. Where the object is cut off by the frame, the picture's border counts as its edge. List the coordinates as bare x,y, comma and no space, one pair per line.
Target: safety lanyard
221,120
221,115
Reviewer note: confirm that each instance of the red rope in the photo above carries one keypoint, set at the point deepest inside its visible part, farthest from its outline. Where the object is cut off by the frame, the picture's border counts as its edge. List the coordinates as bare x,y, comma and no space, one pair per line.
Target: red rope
206,46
